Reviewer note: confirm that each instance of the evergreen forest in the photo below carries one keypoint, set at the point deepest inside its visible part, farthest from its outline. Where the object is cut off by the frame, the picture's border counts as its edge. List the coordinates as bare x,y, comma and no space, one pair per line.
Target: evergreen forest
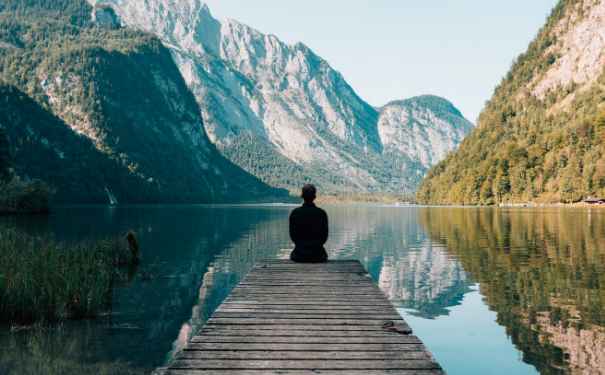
92,110
528,149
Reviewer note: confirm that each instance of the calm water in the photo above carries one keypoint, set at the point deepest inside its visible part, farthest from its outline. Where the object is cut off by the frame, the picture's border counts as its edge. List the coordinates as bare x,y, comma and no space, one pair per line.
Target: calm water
489,290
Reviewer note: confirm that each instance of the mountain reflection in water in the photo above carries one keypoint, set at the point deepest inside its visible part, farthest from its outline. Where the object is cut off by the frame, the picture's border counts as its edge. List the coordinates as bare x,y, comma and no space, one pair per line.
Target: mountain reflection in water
542,271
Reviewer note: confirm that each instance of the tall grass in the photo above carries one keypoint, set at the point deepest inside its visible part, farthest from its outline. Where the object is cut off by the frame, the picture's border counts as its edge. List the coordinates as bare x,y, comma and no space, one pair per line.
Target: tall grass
44,281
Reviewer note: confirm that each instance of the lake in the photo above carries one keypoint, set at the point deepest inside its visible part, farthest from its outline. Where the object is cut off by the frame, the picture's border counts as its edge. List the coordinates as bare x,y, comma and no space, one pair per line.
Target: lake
489,290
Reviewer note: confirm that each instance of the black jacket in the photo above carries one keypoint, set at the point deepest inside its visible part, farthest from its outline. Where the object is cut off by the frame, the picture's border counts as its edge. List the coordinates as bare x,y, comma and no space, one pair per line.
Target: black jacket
309,232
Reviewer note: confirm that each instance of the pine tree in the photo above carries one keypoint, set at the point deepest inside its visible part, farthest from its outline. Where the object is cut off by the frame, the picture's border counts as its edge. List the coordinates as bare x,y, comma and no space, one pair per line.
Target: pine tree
4,155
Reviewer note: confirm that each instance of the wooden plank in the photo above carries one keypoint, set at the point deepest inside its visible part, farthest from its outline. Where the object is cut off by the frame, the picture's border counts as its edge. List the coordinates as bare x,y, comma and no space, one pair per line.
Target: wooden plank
304,315
284,347
242,307
316,290
243,332
313,327
314,281
296,321
303,372
299,275
308,365
298,269
308,283
344,296
239,355
288,318
391,339
359,301
290,272
307,312
308,268
302,275
306,292
332,261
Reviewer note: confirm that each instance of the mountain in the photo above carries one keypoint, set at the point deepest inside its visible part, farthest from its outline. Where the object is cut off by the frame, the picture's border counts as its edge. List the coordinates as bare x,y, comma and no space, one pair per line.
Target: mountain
283,114
541,136
103,113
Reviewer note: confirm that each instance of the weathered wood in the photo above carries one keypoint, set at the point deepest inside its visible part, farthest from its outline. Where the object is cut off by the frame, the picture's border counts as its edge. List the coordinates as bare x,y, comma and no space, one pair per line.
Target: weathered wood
235,307
335,301
295,321
307,291
312,327
307,284
221,331
288,318
389,339
428,363
305,355
309,296
283,347
304,315
303,372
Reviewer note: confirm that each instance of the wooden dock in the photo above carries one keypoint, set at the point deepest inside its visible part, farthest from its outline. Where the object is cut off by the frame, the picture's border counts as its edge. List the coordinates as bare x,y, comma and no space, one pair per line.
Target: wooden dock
290,318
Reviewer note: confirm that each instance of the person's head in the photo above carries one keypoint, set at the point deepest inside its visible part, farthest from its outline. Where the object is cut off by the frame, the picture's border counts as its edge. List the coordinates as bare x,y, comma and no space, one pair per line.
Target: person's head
309,193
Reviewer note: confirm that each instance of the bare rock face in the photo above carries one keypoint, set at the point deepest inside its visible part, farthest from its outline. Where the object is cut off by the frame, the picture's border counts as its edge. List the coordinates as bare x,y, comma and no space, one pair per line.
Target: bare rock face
104,16
426,128
578,50
289,100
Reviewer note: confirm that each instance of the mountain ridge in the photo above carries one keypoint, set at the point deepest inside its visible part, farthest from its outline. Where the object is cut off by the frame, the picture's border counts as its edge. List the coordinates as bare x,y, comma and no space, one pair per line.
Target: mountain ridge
284,98
119,92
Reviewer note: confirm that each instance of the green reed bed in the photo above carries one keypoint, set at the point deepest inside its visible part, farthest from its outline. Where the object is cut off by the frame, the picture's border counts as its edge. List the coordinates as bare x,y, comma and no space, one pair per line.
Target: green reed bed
43,281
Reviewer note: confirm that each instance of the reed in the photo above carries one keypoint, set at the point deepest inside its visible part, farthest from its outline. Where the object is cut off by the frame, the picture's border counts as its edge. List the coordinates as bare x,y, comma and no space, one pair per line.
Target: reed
44,281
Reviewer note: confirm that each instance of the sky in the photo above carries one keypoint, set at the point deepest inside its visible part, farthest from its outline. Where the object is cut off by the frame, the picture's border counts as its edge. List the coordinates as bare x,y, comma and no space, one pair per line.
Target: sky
396,49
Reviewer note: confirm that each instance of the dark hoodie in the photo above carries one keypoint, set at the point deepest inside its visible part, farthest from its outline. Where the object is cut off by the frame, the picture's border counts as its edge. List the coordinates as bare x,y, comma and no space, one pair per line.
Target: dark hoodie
309,232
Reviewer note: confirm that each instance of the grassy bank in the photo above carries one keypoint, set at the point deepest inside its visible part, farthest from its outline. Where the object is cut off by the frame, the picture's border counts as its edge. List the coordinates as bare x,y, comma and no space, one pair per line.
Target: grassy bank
42,280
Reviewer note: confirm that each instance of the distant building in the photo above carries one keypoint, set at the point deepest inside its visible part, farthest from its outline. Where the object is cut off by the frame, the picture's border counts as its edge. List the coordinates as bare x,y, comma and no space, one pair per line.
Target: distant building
590,200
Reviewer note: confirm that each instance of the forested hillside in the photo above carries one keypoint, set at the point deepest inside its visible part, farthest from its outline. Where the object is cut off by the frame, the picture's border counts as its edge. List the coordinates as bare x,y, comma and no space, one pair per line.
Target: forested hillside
541,136
90,107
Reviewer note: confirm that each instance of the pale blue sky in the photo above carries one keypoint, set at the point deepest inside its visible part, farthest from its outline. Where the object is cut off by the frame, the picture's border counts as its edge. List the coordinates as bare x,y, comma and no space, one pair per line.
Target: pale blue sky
395,49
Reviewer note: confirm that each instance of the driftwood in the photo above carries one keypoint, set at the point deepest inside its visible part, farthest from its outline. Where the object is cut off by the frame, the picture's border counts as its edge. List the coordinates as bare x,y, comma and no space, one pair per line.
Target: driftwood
134,247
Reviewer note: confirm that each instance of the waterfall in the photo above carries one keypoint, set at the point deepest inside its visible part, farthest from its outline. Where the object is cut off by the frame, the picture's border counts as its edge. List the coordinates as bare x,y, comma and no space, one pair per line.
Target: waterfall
112,198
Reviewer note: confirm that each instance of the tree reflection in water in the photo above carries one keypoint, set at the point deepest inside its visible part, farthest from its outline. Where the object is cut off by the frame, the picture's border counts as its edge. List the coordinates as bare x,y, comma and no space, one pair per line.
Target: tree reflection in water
542,271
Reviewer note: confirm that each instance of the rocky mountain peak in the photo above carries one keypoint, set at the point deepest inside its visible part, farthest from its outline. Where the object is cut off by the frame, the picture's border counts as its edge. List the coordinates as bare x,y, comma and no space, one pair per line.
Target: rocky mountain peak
427,127
204,9
576,53
252,87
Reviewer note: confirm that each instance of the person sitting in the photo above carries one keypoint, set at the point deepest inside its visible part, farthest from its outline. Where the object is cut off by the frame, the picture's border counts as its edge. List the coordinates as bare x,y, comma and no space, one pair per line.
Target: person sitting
309,229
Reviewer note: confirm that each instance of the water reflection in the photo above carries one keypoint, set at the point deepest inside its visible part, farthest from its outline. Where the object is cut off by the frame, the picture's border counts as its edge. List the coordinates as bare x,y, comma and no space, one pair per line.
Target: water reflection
394,247
202,253
542,271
